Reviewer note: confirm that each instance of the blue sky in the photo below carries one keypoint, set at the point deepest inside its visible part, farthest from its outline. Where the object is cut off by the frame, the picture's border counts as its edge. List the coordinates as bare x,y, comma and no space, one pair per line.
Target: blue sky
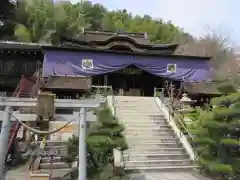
197,17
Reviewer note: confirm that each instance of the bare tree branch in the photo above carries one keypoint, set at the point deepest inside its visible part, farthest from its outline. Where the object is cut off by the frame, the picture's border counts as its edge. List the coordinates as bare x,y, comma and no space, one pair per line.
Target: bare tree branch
223,58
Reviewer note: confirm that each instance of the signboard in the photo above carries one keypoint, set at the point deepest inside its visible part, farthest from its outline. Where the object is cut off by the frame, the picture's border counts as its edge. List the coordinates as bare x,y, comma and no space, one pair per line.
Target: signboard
87,63
171,68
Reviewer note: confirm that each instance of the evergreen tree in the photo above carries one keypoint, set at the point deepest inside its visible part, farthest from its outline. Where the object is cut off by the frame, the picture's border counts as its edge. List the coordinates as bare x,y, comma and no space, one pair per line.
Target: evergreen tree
104,135
218,136
6,19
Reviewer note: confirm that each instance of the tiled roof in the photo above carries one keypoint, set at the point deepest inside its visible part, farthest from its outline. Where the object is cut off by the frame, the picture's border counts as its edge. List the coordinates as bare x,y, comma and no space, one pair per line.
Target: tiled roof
65,82
210,88
98,36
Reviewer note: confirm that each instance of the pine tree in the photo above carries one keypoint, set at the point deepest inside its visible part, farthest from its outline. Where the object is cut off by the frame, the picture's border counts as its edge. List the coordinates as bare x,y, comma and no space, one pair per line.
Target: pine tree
218,136
103,136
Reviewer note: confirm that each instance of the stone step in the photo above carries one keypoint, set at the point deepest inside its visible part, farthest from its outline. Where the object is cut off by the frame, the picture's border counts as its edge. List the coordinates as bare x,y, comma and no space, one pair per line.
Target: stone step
149,133
143,129
150,156
160,169
141,119
134,97
139,108
127,111
136,108
158,163
55,153
56,173
55,143
55,165
160,125
153,145
134,102
155,116
61,147
49,159
147,123
126,100
154,150
151,139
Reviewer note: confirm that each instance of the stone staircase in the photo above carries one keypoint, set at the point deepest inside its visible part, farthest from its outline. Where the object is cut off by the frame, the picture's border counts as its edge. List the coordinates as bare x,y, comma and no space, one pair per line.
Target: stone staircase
153,145
58,167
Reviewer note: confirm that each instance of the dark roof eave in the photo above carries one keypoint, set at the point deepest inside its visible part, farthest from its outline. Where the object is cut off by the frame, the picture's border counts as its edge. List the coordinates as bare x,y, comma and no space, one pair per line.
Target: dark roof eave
20,46
35,49
143,46
41,48
204,94
149,46
120,52
170,46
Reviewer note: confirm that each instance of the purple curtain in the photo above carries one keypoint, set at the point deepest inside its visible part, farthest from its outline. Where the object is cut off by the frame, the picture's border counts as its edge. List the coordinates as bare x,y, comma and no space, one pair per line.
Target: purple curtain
66,63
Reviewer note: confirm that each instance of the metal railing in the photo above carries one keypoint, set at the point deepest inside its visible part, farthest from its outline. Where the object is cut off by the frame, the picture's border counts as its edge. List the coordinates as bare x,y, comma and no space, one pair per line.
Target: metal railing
179,121
172,109
184,130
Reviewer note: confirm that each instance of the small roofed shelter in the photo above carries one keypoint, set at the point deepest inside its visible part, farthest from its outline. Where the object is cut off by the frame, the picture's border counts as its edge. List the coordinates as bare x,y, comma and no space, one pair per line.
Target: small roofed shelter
202,92
21,72
17,59
68,86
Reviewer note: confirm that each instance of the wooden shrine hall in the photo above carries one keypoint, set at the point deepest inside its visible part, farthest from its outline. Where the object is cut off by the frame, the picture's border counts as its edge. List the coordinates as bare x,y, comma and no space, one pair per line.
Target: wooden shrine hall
128,62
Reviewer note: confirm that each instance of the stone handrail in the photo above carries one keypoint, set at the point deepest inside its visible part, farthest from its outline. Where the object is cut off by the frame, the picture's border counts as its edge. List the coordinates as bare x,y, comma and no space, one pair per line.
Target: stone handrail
117,154
170,120
37,176
118,159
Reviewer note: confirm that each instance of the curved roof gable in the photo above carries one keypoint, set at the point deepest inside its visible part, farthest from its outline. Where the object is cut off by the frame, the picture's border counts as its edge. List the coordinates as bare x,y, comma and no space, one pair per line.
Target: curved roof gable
106,40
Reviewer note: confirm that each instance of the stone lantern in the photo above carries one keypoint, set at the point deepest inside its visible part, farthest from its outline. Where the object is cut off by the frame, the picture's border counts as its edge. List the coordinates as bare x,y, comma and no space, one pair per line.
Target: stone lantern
185,103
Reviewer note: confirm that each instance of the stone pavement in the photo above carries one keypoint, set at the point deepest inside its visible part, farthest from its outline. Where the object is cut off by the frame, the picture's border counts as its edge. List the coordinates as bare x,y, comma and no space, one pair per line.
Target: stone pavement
170,176
21,173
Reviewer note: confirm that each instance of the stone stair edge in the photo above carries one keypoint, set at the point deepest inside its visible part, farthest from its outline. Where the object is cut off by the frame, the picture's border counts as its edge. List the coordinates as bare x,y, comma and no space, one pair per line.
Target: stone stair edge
168,167
139,113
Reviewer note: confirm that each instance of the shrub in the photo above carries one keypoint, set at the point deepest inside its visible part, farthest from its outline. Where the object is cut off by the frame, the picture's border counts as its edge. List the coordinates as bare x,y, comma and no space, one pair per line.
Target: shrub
103,136
217,136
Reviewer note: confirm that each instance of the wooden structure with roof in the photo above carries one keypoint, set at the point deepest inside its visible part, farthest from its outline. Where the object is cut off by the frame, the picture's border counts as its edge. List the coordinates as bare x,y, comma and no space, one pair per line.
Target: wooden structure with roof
27,58
202,92
118,41
17,59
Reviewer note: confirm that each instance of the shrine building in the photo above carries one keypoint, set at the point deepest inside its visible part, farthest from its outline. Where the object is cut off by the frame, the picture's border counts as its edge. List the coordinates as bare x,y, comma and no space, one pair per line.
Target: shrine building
128,62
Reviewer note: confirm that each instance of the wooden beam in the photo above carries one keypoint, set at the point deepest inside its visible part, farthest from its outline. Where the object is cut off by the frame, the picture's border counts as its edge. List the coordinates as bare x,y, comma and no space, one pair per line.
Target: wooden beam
59,103
58,117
